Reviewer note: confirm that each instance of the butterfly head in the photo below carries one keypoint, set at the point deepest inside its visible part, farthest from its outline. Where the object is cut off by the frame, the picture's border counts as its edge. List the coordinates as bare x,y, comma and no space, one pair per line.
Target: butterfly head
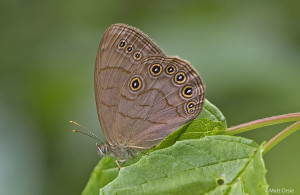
102,149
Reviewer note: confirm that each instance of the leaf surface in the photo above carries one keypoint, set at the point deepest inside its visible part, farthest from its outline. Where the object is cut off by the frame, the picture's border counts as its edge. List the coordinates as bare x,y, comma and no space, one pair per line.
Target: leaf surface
211,165
211,112
196,129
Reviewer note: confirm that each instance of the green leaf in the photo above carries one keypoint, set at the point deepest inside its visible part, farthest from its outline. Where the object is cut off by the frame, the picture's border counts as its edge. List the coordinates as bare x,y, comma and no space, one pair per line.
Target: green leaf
211,112
196,129
107,170
213,165
209,123
102,174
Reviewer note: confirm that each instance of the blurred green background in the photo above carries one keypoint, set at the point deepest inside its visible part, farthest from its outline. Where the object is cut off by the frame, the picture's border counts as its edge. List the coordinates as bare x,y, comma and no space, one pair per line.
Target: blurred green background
248,54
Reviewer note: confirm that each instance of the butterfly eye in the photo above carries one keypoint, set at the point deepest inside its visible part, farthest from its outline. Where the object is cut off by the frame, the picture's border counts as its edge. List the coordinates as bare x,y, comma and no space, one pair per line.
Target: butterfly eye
155,69
191,107
135,84
187,91
137,55
180,78
129,49
122,44
170,69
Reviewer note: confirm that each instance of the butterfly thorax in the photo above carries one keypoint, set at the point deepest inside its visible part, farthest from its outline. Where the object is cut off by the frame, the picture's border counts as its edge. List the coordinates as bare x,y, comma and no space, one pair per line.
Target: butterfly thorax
117,152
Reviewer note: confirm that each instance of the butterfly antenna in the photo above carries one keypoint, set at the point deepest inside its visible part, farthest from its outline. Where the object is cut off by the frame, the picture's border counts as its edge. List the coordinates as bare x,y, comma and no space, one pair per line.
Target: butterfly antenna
88,132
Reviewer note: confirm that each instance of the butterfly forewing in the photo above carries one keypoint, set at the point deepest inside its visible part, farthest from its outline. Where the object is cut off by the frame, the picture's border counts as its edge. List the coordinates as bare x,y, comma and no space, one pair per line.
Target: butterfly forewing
121,50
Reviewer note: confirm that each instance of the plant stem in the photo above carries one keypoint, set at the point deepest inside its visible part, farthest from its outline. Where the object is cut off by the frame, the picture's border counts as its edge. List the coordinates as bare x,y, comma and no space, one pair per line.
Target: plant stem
263,122
280,136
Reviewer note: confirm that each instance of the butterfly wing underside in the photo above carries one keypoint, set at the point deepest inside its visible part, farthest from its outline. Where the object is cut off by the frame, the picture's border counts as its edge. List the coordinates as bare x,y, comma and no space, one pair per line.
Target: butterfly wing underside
121,50
146,116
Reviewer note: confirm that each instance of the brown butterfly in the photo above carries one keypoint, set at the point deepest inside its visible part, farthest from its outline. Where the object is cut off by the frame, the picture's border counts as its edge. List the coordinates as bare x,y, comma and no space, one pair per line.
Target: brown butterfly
141,94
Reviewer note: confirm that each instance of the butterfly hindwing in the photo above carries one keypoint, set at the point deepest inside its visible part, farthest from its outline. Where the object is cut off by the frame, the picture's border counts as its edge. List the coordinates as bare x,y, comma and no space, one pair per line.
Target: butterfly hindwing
146,115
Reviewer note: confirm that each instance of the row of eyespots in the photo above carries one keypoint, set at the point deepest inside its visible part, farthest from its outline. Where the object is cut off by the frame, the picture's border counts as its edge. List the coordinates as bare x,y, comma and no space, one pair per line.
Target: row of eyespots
136,84
129,49
180,78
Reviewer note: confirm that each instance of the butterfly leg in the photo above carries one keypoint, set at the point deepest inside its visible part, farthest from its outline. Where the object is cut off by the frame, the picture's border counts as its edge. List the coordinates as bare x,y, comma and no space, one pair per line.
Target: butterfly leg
120,166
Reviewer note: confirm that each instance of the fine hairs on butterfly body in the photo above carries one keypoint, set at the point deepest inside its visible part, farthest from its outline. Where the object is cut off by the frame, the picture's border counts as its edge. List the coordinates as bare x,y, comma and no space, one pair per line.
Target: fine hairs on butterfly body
142,95
104,149
119,153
